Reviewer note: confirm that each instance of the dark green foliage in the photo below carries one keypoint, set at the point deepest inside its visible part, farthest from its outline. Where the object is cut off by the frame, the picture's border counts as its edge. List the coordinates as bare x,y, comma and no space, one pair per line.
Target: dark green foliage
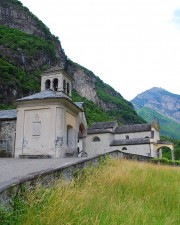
18,76
123,110
176,144
17,207
10,74
166,161
118,108
169,127
27,44
92,111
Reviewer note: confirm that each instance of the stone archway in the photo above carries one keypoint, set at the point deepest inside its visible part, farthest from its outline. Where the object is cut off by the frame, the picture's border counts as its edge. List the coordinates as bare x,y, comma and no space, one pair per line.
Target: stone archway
160,144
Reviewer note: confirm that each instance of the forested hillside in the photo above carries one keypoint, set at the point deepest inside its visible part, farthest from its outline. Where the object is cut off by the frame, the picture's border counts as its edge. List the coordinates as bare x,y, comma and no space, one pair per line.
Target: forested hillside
169,127
27,48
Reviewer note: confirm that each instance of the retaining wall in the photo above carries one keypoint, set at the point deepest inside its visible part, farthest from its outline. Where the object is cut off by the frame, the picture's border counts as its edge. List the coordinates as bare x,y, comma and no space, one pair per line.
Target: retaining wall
48,177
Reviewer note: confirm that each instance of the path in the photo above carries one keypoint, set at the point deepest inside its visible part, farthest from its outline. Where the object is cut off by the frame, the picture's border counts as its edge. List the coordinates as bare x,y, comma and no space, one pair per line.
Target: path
15,168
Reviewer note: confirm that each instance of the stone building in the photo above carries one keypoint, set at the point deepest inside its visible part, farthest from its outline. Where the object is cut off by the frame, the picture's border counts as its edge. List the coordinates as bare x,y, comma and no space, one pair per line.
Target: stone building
48,123
7,132
140,139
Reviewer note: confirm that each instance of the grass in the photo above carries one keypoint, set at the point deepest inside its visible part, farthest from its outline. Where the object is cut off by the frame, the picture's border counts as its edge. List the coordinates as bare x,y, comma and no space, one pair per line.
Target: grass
116,192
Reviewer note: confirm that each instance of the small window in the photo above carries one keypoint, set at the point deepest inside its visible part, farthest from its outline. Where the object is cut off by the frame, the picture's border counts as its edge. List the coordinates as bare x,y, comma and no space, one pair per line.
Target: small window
124,148
127,136
55,84
47,84
146,137
68,88
64,86
96,139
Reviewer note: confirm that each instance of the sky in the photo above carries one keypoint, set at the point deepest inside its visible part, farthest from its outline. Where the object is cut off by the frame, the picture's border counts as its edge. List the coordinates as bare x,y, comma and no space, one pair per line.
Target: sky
132,45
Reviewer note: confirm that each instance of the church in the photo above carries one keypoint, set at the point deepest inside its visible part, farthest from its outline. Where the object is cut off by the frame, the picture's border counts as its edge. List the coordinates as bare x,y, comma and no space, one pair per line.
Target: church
139,139
49,124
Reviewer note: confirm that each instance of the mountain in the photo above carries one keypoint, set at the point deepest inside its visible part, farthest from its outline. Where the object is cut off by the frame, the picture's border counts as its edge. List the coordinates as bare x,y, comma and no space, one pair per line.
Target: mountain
161,101
27,48
163,105
169,127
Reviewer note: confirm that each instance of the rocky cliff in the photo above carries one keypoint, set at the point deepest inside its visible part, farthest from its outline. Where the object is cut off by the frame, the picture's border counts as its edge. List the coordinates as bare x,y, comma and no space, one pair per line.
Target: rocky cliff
161,101
27,47
162,105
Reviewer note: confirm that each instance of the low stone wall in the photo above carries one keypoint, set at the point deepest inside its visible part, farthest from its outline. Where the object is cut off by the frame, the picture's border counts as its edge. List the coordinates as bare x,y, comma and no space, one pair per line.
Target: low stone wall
48,177
7,133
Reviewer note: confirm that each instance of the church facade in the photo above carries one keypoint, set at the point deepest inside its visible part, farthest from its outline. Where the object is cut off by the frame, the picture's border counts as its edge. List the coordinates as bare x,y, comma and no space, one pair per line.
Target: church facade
49,124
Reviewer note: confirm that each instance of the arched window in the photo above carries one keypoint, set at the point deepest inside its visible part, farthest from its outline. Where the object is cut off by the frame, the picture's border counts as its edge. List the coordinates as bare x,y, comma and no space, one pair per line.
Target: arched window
124,148
146,137
55,84
64,86
47,84
127,136
96,139
68,88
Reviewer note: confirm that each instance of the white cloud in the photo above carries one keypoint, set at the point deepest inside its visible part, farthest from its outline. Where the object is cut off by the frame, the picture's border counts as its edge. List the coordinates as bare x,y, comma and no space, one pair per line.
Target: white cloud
132,45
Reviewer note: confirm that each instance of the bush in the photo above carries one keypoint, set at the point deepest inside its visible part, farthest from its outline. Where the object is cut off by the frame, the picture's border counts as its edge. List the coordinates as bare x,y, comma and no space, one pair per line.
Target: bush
166,161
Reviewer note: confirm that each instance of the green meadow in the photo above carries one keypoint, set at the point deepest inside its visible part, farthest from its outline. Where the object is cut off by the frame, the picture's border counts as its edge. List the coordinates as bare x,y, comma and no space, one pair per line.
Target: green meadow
115,192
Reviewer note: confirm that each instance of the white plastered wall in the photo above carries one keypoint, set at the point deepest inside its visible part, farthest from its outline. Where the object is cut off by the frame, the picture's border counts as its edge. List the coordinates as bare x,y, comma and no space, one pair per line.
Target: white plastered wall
99,147
133,135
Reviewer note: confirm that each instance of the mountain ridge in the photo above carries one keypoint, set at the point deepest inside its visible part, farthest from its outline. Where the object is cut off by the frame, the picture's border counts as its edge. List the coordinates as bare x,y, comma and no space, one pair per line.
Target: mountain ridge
162,105
28,48
160,100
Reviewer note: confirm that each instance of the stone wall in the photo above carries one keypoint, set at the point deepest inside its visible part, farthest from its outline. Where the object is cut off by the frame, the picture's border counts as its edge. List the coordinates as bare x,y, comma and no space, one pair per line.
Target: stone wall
7,133
48,177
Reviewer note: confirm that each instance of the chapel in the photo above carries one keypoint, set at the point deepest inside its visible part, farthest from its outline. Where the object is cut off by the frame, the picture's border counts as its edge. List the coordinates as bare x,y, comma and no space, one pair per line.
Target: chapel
49,124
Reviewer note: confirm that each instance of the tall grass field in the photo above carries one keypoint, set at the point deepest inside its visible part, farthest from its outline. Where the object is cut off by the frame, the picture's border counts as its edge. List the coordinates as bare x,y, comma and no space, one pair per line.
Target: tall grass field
115,192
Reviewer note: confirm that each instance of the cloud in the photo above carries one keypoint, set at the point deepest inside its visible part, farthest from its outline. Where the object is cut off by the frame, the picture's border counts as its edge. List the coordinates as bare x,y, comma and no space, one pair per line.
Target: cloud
176,18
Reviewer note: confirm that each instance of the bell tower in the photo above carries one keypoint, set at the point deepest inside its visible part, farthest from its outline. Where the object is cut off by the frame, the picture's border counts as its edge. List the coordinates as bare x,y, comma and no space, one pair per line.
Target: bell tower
57,80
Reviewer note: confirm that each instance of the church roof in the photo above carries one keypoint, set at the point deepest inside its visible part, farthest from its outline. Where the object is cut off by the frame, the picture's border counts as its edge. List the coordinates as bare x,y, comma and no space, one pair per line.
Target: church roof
103,125
132,128
134,141
98,131
40,95
8,114
48,94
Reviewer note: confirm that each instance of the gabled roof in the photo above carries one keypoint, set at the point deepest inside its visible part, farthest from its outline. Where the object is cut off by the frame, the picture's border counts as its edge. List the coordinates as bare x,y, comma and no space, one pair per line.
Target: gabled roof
8,114
48,94
132,128
135,141
40,95
103,125
98,131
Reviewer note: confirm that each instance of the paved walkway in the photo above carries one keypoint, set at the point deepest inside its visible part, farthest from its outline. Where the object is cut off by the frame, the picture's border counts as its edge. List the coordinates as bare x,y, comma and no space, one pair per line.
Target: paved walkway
11,168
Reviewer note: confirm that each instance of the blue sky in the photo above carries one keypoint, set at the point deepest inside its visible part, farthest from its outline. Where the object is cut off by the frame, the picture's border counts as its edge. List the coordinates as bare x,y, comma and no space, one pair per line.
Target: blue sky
131,45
